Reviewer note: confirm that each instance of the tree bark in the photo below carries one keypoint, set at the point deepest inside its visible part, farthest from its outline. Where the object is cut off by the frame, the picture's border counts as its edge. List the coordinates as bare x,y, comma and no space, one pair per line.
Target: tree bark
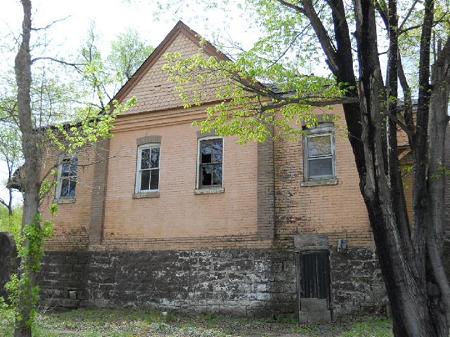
32,166
404,269
437,127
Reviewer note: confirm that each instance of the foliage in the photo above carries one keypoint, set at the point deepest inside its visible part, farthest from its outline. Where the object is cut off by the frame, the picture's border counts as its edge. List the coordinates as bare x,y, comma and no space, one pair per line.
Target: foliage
6,319
91,126
101,76
30,248
10,147
10,224
250,90
128,51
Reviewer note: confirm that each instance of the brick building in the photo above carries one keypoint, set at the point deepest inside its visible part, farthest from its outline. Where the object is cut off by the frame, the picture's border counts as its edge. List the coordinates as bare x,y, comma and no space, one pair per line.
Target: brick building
163,216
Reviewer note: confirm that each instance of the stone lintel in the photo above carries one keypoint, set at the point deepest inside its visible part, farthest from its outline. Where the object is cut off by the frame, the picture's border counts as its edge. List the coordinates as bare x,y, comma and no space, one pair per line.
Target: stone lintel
304,242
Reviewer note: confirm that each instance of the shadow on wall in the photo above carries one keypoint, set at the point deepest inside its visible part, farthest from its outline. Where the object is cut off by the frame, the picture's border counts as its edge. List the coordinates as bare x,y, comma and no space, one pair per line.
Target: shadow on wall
8,260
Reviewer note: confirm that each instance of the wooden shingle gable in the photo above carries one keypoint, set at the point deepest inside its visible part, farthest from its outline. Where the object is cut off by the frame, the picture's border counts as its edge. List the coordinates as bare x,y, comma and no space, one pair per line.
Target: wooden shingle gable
179,29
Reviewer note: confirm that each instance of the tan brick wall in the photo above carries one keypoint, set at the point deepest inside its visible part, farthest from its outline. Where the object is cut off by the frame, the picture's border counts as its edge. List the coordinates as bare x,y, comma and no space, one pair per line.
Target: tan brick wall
72,220
99,191
335,210
178,214
242,217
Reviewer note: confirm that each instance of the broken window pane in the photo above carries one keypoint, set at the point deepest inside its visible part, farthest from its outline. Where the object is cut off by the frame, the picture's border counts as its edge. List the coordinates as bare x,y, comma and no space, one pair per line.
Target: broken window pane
211,156
73,166
68,177
206,152
64,188
72,186
206,175
65,167
217,153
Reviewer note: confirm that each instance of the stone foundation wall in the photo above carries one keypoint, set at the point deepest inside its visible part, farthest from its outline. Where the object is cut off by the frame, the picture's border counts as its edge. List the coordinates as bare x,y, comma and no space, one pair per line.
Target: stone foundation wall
63,279
238,282
357,284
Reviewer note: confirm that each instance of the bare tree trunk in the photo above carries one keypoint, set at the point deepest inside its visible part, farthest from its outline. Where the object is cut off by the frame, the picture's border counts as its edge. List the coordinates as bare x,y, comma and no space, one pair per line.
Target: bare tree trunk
32,166
403,257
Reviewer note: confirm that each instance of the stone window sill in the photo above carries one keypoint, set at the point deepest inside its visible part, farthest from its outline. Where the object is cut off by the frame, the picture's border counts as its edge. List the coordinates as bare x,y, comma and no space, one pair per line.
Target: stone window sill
142,195
65,201
320,182
214,190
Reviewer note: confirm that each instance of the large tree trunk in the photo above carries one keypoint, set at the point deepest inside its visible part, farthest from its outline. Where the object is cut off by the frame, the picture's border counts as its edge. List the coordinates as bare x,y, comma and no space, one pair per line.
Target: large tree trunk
418,310
437,127
32,167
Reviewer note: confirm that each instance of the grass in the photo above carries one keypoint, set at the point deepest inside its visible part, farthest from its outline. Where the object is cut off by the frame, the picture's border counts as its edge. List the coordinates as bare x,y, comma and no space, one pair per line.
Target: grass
141,323
372,328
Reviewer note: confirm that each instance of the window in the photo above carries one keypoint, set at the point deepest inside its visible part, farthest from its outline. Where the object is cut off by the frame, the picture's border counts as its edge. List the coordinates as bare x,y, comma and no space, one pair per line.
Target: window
147,172
67,178
320,153
210,163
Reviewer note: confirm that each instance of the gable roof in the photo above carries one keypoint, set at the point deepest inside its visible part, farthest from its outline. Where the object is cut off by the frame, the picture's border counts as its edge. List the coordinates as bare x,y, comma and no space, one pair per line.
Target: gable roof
179,28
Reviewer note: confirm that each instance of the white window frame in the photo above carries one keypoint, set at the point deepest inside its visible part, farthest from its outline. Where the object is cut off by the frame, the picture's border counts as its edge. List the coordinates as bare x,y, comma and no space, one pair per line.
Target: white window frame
139,170
198,184
60,178
325,129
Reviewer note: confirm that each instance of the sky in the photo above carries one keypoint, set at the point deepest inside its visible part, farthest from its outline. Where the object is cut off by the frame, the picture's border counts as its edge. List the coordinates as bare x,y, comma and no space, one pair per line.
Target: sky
110,18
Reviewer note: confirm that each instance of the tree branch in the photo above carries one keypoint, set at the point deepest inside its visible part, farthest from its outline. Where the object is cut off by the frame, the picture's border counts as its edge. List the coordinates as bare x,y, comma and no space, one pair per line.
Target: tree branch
322,34
51,24
405,19
72,64
408,126
312,101
442,19
3,202
290,5
290,45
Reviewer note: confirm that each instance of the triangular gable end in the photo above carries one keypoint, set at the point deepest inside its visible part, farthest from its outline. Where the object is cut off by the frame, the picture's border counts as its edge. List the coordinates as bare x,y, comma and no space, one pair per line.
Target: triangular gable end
149,83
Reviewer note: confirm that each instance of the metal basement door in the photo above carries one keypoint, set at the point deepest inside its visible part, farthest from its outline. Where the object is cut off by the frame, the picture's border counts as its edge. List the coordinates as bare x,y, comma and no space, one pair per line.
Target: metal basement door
313,285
